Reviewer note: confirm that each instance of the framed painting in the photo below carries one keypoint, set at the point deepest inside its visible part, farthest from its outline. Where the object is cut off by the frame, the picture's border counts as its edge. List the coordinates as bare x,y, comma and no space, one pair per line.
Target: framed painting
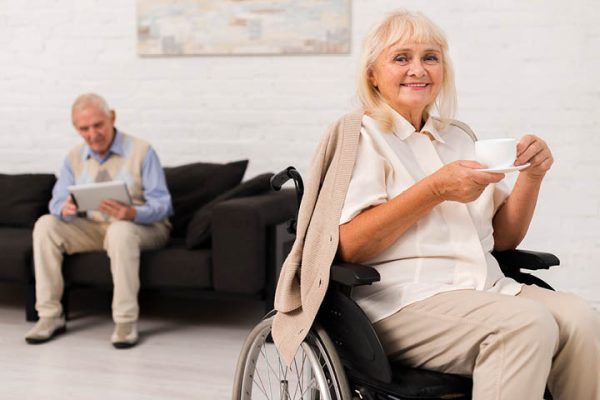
220,27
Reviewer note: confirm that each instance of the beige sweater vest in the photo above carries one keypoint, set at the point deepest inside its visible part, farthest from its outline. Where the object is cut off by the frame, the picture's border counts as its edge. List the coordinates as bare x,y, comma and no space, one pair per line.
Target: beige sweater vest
126,167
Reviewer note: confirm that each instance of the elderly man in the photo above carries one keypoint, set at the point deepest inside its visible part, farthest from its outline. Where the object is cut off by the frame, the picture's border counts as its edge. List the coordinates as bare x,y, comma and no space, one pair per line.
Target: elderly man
122,230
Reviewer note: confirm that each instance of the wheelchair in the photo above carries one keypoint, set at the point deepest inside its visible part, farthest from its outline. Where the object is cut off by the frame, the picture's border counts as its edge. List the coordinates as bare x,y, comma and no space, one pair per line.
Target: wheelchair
341,357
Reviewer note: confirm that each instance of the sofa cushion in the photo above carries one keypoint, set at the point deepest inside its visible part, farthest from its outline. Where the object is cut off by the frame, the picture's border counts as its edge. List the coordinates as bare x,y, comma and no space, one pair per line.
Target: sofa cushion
169,267
24,198
16,250
194,185
198,230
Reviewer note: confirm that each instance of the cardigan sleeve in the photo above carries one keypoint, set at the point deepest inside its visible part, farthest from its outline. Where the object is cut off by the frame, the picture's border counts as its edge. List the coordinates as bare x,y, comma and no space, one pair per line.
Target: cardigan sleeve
287,293
298,296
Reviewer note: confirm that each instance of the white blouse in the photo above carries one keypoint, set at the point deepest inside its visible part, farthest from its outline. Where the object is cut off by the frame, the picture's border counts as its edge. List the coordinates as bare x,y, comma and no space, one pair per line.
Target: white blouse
449,249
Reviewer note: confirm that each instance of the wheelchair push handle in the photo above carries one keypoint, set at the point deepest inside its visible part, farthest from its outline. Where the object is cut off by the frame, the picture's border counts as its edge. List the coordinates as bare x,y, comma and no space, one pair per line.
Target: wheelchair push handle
282,177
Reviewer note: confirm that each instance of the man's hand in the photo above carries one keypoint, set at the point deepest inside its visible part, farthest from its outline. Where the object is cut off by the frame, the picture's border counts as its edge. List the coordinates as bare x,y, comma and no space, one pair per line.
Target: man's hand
460,181
117,210
69,208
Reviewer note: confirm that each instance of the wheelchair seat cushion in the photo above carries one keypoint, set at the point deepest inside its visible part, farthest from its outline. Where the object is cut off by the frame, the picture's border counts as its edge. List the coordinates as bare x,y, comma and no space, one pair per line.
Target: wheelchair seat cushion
414,383
423,383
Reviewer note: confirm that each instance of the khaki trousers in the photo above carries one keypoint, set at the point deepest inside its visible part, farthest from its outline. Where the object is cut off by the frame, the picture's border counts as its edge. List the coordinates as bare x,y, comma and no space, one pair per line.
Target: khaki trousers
512,345
122,240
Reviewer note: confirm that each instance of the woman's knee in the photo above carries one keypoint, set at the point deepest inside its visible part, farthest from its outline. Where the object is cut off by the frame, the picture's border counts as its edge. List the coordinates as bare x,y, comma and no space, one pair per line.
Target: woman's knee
538,327
579,319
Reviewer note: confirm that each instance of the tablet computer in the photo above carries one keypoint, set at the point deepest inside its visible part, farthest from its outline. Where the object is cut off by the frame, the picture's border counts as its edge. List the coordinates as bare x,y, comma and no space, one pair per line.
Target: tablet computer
88,196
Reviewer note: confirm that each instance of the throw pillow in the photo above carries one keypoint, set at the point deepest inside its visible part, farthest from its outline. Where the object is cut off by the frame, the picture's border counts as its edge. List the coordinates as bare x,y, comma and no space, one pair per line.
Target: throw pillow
193,185
24,198
199,228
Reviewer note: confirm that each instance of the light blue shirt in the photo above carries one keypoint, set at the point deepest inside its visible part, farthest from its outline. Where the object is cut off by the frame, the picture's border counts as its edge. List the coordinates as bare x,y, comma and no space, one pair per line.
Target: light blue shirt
156,194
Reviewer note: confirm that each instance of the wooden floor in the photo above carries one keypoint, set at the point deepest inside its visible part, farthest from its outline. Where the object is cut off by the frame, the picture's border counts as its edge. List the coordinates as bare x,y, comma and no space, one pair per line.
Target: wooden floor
188,350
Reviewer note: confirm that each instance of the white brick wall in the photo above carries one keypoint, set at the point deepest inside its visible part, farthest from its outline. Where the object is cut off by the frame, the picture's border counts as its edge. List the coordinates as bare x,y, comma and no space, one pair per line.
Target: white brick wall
522,66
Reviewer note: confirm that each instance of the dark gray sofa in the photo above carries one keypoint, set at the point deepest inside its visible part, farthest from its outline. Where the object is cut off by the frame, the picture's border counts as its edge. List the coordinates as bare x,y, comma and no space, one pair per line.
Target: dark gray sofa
237,255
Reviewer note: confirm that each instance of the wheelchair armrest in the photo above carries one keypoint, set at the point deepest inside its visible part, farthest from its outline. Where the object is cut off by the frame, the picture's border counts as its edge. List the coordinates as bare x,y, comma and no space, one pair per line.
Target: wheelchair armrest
533,260
351,275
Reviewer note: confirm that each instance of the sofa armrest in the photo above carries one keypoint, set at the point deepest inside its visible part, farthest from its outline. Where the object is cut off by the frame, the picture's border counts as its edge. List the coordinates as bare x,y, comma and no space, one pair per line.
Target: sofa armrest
240,248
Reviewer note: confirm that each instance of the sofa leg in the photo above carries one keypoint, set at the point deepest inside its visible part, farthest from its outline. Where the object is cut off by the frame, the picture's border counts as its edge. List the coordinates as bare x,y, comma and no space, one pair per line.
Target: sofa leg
65,303
31,314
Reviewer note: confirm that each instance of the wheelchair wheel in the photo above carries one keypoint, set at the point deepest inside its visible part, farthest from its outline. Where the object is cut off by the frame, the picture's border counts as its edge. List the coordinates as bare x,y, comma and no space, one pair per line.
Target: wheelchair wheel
316,372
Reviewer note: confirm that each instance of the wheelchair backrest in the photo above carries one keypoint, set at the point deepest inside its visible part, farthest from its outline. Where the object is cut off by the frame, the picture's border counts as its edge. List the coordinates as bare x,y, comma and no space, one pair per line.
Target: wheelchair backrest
355,339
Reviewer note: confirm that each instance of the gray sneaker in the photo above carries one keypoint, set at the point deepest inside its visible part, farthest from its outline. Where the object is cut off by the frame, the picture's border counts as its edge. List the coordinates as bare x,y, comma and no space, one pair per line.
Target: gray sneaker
125,335
45,329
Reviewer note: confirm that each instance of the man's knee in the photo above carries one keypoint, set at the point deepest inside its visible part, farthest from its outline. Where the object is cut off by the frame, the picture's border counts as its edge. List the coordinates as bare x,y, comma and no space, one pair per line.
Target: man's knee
121,234
45,226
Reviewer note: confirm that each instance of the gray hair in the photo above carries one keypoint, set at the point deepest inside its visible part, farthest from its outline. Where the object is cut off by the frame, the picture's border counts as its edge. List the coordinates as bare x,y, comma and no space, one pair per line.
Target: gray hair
403,26
90,99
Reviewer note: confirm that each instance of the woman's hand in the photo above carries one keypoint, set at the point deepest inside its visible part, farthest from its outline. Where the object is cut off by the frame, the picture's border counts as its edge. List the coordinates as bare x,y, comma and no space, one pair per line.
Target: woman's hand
532,149
460,181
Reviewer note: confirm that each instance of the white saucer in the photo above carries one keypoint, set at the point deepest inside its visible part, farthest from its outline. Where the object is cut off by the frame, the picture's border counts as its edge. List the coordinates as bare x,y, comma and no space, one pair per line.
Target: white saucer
504,170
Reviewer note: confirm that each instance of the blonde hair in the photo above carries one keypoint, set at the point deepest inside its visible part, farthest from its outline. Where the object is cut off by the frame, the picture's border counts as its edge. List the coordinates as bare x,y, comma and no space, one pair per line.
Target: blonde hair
402,27
90,99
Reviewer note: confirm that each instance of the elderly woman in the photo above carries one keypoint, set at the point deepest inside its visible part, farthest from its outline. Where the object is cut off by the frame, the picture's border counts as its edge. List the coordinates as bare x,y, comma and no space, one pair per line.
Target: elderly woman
394,187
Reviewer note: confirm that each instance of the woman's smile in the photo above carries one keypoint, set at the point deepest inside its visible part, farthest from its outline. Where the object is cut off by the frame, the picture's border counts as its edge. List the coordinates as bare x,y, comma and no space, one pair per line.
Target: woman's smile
415,86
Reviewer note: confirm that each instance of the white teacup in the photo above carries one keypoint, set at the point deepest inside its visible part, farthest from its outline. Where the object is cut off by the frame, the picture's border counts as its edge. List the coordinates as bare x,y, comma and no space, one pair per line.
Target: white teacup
496,153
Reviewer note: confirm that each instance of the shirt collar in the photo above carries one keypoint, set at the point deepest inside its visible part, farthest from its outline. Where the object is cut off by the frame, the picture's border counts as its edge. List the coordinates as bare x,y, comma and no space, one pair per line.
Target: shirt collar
115,148
403,129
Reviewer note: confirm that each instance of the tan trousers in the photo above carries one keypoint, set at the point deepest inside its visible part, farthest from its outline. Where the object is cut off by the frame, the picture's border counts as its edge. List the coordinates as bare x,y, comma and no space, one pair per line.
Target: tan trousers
122,240
511,345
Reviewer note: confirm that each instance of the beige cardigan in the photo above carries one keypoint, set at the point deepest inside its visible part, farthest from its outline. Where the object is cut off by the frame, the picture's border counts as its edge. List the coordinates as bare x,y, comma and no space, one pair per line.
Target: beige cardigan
305,273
